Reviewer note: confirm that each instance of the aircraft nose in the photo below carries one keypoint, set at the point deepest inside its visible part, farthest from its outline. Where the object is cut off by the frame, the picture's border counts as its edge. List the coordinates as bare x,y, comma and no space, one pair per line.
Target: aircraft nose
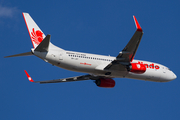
174,76
168,76
171,76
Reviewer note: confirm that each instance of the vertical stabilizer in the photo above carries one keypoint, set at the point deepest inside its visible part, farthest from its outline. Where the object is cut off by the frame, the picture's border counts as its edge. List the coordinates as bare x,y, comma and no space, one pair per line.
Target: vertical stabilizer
35,32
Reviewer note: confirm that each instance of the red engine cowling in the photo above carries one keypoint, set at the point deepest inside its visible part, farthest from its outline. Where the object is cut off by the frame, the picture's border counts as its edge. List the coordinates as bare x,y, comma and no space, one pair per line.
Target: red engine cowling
138,68
105,83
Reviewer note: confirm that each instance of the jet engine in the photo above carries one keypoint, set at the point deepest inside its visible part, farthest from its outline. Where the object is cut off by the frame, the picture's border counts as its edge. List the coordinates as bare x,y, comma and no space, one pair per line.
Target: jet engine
137,68
105,82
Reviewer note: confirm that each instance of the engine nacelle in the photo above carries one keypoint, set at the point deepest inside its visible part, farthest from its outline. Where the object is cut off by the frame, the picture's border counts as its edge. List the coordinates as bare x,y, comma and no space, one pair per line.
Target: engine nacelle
105,83
137,68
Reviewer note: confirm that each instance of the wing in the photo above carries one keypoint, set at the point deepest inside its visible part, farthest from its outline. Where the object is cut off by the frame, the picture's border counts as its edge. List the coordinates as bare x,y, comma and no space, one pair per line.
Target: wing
127,54
70,79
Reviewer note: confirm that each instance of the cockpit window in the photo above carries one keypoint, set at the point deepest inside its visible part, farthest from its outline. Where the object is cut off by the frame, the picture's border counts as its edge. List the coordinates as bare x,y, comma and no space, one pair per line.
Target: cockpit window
168,69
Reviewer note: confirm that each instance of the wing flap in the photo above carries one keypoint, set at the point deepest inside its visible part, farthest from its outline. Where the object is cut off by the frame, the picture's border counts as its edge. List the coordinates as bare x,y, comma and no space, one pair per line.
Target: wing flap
71,79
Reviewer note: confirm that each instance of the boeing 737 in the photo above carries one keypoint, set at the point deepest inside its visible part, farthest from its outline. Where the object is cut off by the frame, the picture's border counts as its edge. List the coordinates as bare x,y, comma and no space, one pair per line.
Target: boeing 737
102,69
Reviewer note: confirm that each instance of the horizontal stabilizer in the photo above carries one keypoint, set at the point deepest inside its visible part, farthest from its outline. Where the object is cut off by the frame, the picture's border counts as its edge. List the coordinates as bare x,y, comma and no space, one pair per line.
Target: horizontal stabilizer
44,45
22,54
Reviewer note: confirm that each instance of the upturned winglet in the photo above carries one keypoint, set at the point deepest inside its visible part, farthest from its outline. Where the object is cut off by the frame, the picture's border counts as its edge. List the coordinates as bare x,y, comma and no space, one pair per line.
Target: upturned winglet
137,24
28,76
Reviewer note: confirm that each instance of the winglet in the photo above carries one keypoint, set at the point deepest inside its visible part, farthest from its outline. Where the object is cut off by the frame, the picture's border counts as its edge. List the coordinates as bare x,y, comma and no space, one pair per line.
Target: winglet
28,76
137,24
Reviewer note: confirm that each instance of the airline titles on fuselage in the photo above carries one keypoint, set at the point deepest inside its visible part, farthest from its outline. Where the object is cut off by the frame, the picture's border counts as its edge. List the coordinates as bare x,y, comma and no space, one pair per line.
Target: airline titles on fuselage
151,66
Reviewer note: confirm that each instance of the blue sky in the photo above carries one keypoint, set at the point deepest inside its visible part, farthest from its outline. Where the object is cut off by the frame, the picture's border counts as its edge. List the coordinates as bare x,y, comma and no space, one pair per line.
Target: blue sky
92,26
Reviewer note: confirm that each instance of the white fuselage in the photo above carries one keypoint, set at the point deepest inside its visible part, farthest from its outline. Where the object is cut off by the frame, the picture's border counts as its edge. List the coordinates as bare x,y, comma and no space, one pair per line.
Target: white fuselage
95,64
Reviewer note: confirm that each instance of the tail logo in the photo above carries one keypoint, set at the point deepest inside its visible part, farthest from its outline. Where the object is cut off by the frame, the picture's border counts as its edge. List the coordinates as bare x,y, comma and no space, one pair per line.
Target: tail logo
37,36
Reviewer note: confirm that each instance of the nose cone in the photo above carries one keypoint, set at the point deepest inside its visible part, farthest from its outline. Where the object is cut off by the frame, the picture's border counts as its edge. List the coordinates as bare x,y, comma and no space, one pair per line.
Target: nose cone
168,76
171,76
174,76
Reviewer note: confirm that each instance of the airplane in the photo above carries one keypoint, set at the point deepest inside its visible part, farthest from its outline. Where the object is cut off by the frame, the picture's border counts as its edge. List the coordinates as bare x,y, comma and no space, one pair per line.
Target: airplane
102,69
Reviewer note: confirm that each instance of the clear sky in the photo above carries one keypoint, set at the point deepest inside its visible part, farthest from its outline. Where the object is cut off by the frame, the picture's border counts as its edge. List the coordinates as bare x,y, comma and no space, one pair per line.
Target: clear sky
92,26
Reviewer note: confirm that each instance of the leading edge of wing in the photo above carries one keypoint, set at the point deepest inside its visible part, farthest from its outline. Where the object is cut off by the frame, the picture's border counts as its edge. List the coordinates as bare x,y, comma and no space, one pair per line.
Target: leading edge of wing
70,79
